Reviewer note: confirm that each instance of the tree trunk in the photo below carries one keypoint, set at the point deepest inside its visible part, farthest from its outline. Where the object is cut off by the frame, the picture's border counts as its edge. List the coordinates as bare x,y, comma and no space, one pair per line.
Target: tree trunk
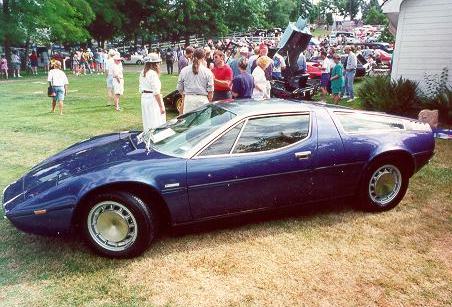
6,39
27,51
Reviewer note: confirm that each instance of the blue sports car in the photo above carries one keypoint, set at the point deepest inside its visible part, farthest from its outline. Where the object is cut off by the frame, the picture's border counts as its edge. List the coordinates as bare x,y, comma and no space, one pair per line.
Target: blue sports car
222,159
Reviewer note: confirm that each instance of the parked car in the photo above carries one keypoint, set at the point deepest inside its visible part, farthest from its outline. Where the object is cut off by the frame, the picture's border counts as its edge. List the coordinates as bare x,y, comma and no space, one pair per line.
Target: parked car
313,69
363,68
133,59
382,56
350,37
222,159
386,47
294,83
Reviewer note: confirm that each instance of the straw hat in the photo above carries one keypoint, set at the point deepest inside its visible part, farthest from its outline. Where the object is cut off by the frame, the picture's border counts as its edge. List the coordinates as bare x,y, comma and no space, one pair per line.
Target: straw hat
152,58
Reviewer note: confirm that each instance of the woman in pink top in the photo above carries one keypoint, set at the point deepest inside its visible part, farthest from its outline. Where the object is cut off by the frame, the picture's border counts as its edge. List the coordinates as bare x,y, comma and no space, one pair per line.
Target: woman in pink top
4,67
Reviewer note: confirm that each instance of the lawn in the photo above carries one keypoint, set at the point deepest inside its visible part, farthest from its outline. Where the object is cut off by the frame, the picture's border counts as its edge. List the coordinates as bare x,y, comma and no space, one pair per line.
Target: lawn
329,254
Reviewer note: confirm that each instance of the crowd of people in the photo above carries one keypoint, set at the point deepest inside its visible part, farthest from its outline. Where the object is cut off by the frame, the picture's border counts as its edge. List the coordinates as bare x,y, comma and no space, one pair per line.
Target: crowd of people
209,73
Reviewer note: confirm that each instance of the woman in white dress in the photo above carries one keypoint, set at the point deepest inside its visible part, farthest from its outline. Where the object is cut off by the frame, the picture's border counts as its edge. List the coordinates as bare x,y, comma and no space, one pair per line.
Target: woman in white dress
261,84
152,107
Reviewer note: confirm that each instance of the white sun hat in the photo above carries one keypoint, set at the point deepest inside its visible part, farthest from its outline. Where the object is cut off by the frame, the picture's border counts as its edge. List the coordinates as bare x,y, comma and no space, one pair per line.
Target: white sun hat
152,58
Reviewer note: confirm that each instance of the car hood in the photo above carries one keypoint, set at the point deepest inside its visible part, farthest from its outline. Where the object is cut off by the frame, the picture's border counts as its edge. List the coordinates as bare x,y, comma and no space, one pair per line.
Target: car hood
95,152
294,41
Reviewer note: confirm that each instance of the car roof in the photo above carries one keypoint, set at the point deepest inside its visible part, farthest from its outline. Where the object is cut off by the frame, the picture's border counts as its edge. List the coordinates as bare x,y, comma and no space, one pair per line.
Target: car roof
249,107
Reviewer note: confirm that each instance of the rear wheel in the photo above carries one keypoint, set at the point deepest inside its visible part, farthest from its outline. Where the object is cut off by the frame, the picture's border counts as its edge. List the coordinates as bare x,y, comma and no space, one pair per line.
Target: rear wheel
384,185
179,105
139,62
118,225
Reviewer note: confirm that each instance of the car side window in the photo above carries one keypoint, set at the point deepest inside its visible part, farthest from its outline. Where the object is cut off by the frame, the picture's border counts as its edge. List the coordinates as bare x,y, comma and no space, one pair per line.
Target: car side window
361,122
224,144
267,133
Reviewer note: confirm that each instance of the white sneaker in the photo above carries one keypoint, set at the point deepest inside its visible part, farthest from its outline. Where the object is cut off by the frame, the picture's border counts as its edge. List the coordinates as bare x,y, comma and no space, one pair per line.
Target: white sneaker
351,99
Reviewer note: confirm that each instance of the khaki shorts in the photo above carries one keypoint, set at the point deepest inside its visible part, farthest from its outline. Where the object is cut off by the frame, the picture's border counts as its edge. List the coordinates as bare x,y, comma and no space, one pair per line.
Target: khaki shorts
192,102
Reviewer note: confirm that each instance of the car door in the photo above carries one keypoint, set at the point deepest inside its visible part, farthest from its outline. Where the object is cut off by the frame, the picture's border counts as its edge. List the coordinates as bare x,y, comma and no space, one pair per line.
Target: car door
261,162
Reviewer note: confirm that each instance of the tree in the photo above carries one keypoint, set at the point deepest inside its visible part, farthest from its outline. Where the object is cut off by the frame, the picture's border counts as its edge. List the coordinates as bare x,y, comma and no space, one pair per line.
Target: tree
374,17
347,7
367,5
278,12
24,21
304,7
108,19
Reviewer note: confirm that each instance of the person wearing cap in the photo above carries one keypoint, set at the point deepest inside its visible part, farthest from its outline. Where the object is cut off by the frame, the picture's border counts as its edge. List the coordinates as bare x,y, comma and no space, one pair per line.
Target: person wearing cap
222,77
108,69
152,107
235,63
58,81
350,72
118,80
195,83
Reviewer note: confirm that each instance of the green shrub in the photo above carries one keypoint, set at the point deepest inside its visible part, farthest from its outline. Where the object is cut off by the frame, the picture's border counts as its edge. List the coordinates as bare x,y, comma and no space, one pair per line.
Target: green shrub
399,97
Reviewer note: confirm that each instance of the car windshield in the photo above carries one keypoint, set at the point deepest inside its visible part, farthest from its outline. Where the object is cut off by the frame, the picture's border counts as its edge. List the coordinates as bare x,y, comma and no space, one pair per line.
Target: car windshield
180,135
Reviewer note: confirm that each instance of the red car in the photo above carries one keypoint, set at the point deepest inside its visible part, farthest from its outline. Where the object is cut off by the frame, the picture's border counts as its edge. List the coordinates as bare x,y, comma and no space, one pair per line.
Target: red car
314,70
384,57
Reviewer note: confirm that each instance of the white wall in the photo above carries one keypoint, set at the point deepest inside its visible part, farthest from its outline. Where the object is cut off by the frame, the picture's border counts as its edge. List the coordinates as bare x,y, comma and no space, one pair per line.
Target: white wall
424,39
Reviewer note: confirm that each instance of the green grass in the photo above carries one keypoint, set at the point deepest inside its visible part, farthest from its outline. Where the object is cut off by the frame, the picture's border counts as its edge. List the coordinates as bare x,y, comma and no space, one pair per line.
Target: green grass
330,255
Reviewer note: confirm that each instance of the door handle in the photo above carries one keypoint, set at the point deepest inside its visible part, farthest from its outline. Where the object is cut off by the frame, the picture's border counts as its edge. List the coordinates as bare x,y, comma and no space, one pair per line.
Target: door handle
303,155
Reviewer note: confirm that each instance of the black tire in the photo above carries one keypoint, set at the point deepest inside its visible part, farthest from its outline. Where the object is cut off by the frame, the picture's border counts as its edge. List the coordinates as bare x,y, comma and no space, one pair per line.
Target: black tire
369,199
139,62
119,215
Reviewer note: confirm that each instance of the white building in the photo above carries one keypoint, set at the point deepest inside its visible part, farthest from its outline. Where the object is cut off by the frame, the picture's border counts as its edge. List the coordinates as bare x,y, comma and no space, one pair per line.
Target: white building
423,31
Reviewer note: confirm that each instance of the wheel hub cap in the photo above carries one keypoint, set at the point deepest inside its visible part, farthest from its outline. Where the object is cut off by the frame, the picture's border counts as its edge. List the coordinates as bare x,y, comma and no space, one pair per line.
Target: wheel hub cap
112,226
385,184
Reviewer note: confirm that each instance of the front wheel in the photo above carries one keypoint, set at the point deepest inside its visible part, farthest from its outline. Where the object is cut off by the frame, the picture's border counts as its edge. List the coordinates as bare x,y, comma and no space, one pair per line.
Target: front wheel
384,185
118,225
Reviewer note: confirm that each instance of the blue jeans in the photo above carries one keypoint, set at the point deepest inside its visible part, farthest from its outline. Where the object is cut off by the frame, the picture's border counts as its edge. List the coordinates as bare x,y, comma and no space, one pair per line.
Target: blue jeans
349,78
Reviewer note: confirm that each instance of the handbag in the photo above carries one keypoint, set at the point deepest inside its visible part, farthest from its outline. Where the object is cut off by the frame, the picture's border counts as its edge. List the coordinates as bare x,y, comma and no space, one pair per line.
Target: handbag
51,91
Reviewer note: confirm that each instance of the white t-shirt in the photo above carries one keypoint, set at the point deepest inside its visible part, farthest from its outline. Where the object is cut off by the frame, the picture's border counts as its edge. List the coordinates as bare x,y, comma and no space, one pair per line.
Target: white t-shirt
278,62
327,65
150,83
57,77
109,67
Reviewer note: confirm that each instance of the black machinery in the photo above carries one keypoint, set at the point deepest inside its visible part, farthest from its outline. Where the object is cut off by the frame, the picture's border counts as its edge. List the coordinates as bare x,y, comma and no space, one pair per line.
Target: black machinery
295,84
